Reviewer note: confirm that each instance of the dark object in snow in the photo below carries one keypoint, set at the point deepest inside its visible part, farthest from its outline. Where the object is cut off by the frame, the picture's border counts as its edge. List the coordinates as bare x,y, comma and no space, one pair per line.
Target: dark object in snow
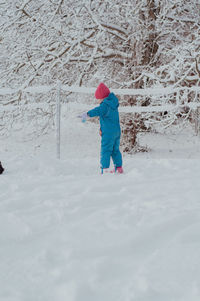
1,168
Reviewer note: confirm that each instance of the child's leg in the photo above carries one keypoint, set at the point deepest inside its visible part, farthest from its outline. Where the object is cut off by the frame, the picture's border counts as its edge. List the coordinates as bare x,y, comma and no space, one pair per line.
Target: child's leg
116,154
106,150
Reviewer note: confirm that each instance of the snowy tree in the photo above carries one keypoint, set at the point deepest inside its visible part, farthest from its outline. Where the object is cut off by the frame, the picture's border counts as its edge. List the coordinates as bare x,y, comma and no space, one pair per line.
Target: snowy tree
127,44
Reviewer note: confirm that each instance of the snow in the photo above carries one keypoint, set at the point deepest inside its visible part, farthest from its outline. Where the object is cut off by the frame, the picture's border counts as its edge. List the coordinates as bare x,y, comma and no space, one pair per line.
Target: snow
70,233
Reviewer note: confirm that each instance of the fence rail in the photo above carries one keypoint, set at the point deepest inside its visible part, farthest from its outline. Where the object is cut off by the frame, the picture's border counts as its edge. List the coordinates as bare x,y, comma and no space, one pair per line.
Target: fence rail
156,91
76,89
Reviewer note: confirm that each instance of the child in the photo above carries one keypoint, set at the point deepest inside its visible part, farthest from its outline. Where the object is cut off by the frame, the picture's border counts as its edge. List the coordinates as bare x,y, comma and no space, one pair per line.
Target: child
109,127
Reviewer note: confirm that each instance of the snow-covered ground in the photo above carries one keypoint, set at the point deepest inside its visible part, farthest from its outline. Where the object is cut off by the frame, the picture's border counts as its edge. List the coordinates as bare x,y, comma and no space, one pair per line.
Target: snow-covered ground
68,233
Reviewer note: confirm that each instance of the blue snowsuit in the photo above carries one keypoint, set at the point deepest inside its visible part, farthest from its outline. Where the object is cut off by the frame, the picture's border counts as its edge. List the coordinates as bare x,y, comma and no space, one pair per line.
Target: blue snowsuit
110,128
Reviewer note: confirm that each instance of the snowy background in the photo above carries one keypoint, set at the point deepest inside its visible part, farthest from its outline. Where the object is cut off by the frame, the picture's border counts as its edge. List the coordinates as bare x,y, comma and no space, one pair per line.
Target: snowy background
69,233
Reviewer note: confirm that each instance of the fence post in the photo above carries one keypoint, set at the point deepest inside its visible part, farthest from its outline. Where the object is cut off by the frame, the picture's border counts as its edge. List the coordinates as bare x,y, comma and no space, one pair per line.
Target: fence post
197,120
58,111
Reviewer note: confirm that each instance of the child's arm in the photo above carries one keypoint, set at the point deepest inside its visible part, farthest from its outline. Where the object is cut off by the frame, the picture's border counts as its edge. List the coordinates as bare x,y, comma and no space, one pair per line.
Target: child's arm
98,111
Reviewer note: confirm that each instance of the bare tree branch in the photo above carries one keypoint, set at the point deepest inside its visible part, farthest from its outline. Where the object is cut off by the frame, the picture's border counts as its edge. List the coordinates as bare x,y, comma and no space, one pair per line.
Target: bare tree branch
197,59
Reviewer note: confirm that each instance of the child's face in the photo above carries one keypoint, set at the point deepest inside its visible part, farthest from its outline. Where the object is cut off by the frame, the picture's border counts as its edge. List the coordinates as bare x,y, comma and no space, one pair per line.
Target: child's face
100,100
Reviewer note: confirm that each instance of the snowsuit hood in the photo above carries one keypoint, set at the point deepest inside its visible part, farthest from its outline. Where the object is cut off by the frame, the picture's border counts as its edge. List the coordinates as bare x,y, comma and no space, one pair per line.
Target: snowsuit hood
112,101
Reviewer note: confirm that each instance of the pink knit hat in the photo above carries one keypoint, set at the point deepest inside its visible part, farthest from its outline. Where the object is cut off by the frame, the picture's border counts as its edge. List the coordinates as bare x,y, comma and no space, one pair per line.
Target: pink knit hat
102,91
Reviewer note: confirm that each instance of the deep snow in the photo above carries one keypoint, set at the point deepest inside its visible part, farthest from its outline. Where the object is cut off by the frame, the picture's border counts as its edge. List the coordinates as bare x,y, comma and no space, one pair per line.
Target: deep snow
69,233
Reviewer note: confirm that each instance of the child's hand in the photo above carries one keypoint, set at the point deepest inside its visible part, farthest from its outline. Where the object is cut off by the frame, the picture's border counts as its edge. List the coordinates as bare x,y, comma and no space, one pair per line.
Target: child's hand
100,132
83,117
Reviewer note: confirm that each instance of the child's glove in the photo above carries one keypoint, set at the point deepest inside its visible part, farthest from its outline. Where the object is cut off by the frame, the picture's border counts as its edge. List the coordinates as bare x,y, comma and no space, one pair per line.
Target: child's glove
84,117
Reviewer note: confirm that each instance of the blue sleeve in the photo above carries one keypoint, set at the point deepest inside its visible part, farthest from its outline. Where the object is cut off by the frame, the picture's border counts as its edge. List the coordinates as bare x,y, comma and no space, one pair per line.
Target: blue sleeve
98,111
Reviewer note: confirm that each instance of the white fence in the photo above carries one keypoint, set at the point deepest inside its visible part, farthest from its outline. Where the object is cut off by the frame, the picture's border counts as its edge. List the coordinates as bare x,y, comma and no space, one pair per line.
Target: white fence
145,92
148,92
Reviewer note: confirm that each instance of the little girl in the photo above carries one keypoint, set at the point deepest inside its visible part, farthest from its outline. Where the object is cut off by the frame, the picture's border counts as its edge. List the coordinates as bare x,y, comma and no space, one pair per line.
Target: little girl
109,127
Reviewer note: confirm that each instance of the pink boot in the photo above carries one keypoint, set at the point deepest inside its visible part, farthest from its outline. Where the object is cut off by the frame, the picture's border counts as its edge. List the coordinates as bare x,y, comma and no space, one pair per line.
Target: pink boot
120,169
